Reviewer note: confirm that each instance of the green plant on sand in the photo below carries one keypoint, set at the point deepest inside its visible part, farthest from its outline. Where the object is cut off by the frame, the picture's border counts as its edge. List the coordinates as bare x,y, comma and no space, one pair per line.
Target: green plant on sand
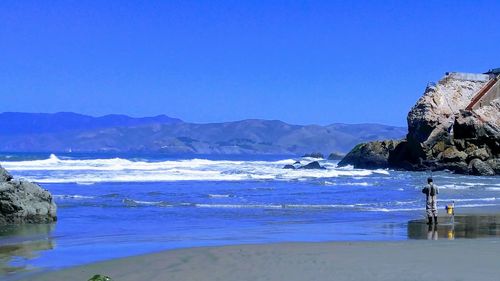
99,277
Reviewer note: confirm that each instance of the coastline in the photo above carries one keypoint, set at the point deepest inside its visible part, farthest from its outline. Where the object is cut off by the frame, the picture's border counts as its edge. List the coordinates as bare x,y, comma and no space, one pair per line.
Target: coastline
414,259
464,259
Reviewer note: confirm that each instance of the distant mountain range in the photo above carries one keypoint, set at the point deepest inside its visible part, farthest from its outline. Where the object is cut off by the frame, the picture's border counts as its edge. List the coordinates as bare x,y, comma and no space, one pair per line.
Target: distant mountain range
65,131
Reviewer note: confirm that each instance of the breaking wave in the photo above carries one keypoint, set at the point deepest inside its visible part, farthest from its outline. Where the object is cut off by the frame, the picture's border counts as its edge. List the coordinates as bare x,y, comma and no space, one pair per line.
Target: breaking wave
90,171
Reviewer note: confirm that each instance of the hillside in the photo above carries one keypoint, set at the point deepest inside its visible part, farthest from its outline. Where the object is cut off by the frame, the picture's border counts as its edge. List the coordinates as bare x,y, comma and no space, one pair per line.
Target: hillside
62,132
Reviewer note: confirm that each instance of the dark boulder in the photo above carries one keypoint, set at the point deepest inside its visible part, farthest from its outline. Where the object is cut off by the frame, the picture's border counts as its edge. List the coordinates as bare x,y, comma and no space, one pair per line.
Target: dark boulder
24,202
455,167
4,175
479,168
314,155
495,165
335,156
451,155
313,165
370,155
288,166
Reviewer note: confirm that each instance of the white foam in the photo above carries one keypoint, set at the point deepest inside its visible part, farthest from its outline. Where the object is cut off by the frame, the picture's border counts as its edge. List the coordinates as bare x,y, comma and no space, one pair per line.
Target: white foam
147,202
453,186
91,171
219,195
399,203
475,205
239,206
85,183
471,199
60,196
386,210
347,183
279,206
381,171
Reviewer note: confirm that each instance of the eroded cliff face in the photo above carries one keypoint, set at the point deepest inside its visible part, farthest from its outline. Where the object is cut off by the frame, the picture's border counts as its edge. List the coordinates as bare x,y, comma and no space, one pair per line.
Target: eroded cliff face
432,117
442,134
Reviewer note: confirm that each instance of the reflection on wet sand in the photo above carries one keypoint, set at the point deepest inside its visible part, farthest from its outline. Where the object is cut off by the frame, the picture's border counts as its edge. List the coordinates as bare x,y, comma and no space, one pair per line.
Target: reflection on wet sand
19,243
463,226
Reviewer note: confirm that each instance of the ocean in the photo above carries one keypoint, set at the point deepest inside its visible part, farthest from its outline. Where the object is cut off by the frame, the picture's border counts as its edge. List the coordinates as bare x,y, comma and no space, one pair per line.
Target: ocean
112,206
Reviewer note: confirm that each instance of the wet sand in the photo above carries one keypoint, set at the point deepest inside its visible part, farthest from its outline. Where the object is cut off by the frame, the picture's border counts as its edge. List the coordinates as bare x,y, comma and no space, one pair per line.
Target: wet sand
450,257
467,259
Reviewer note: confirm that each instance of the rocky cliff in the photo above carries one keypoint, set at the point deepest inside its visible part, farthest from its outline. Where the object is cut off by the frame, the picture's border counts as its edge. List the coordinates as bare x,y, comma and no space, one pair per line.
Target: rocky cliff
455,125
24,202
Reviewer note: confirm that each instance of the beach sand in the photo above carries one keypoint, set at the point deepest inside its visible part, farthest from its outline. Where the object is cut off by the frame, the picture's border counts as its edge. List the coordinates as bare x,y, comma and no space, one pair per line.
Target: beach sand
420,258
467,259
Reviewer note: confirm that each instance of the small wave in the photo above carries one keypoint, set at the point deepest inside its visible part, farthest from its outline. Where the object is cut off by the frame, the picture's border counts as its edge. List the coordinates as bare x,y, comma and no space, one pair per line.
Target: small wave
475,205
154,193
111,195
280,206
136,203
347,183
219,195
453,186
399,203
319,206
147,202
62,196
262,188
470,199
385,210
239,206
381,171
480,184
129,202
84,183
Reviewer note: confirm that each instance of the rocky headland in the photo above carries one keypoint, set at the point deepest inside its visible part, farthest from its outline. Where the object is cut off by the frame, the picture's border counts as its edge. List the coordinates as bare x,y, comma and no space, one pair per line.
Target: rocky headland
454,126
24,202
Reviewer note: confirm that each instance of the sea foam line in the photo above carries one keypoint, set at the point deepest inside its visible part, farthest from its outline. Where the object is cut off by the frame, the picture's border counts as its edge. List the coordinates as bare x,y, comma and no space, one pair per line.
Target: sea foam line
86,172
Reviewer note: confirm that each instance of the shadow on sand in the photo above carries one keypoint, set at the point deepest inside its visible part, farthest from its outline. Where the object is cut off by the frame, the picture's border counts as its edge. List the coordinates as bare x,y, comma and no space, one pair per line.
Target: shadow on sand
19,243
463,226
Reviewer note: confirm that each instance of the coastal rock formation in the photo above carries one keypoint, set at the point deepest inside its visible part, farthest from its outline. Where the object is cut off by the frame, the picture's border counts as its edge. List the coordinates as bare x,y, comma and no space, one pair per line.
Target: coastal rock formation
4,175
313,165
318,155
370,155
309,166
24,202
335,156
455,125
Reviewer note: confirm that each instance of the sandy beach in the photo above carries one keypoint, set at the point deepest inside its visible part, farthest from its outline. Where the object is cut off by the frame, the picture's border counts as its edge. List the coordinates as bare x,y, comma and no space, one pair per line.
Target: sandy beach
465,259
465,250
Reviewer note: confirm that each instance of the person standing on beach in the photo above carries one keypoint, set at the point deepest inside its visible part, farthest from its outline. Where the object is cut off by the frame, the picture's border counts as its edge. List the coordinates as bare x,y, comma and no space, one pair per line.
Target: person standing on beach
431,191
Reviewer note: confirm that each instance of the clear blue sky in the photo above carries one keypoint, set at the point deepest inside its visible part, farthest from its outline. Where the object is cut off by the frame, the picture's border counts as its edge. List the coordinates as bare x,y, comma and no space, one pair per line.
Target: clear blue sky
301,62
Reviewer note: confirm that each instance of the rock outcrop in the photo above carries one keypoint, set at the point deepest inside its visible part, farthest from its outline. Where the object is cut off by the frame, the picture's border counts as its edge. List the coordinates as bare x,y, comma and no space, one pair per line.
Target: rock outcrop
309,166
446,130
317,155
370,155
335,156
313,166
24,202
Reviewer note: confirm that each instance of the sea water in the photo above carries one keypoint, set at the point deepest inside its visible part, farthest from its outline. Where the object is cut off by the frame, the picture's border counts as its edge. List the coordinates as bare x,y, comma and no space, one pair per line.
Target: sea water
113,206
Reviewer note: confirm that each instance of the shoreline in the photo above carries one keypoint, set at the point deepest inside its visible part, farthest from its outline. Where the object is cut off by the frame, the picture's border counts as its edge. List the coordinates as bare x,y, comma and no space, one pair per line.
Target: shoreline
481,224
460,259
464,259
